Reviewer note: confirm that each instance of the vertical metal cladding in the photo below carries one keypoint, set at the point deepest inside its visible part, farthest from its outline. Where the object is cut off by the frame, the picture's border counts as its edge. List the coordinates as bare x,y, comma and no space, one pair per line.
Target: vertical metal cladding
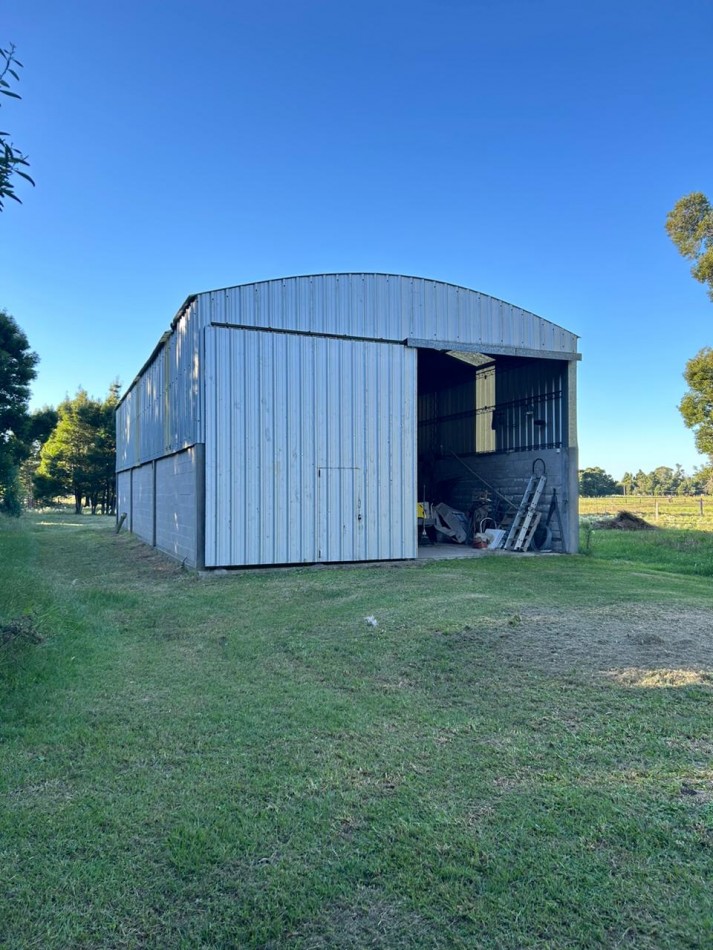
533,406
310,449
161,413
384,307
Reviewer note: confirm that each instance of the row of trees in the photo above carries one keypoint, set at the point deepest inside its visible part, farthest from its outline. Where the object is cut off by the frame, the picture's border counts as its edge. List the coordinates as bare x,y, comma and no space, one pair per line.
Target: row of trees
51,453
595,482
79,457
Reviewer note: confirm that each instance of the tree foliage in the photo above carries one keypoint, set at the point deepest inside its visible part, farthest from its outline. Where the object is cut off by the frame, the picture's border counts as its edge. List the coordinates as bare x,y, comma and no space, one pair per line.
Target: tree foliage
696,407
17,370
12,161
79,456
40,425
596,483
690,226
664,480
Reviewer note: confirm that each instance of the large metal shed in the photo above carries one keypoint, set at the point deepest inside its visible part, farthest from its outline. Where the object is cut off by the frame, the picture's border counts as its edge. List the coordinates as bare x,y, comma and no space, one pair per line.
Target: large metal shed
300,420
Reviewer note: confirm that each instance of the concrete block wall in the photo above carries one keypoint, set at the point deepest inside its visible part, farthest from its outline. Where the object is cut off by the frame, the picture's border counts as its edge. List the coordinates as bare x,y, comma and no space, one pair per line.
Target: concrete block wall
123,497
165,503
177,506
509,473
142,502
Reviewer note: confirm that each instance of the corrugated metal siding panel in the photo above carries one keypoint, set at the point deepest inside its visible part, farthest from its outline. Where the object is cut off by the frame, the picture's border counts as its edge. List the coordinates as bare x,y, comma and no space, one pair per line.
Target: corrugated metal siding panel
162,413
437,432
384,307
529,394
310,449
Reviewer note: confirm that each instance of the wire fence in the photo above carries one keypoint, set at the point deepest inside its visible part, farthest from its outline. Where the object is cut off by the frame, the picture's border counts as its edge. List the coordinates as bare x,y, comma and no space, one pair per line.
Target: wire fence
666,511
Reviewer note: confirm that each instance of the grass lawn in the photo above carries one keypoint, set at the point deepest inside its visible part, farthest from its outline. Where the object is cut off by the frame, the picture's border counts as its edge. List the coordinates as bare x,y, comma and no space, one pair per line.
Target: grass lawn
518,755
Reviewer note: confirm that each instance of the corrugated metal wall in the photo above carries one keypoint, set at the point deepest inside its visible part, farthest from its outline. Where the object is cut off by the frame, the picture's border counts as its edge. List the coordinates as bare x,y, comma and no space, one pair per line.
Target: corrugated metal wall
384,307
511,406
447,419
310,449
162,413
531,406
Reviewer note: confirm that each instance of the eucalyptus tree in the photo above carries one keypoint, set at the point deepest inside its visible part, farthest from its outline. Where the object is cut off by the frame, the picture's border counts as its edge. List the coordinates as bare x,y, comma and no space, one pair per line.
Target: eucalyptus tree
12,162
690,226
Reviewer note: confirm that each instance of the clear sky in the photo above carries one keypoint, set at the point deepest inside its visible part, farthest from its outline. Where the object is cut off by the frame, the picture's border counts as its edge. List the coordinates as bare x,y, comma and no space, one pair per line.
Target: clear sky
529,149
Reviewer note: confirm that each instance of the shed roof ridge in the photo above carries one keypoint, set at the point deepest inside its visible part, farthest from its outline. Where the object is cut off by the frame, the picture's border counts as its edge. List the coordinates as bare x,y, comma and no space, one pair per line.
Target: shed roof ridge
364,273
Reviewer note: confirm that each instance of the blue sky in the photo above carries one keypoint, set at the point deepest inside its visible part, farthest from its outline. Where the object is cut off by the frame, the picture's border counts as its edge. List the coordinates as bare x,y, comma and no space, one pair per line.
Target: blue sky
529,149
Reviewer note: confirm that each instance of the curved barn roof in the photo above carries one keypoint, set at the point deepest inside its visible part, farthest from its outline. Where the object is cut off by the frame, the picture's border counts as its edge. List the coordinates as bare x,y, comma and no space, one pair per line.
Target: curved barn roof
389,307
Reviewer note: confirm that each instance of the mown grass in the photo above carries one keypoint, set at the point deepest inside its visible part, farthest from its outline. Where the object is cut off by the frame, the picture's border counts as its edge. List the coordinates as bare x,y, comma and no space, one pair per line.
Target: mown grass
243,761
663,549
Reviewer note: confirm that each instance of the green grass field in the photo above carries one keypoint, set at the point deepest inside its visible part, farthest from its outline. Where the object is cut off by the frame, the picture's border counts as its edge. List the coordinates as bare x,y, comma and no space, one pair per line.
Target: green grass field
675,511
518,755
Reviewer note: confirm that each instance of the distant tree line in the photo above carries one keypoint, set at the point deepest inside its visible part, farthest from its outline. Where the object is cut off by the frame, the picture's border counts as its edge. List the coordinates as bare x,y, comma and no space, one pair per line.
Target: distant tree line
51,454
596,483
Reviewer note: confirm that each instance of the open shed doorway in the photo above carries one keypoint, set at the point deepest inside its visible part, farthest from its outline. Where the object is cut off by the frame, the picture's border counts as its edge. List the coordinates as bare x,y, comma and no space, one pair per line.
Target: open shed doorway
486,423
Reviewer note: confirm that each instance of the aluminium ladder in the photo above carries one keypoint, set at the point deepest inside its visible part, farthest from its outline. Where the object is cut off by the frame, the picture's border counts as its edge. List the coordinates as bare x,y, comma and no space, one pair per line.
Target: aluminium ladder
527,517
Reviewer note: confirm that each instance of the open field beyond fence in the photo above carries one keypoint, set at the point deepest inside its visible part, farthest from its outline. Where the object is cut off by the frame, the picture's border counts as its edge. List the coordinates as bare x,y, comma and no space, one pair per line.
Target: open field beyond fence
518,753
668,511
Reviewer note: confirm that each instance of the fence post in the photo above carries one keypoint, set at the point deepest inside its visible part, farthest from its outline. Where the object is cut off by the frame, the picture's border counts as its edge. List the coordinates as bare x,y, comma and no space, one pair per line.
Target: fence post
700,504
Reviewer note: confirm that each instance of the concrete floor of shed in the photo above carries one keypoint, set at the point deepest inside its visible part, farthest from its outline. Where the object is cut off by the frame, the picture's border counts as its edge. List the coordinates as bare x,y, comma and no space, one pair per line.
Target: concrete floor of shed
442,552
439,552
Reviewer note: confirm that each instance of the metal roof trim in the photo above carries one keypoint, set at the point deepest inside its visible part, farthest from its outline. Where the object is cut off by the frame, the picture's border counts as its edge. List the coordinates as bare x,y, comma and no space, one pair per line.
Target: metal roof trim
165,336
490,349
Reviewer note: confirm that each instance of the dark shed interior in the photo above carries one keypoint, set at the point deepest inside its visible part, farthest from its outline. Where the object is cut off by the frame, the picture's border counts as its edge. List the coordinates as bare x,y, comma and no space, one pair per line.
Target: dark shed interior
483,422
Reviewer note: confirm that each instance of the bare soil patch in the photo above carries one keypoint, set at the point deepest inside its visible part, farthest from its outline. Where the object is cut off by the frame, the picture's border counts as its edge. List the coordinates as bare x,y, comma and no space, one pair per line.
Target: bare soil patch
630,644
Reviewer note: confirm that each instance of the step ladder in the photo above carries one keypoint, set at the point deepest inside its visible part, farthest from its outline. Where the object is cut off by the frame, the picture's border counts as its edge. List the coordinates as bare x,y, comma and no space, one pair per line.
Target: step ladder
527,517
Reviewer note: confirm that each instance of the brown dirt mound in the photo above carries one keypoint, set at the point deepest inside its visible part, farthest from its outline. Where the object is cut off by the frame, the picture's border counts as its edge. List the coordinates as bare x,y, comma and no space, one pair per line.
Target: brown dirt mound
626,521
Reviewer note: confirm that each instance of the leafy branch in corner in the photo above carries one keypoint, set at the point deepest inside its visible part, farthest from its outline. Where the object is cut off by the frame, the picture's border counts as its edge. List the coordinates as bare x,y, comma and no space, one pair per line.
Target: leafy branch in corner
12,161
